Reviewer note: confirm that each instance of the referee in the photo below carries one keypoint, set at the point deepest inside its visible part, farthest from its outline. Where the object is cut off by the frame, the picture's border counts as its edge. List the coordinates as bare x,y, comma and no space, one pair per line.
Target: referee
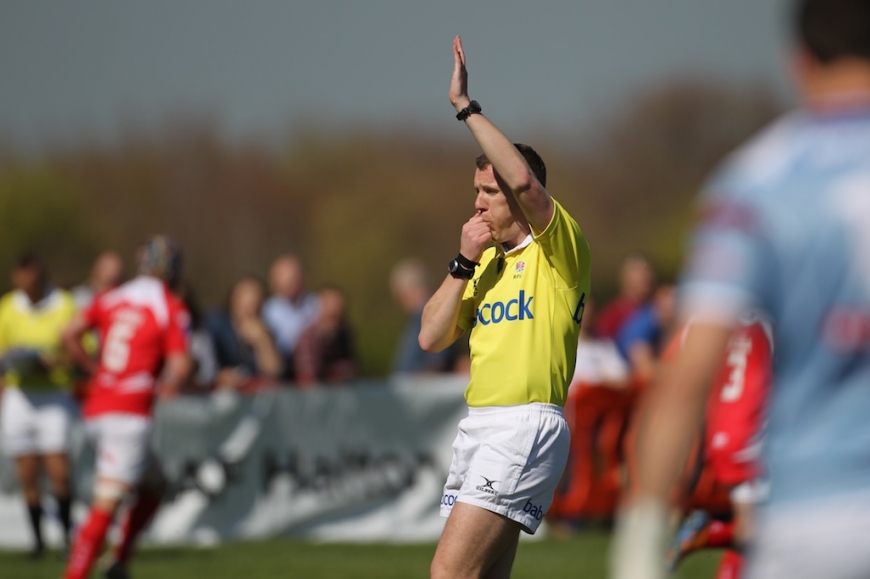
519,285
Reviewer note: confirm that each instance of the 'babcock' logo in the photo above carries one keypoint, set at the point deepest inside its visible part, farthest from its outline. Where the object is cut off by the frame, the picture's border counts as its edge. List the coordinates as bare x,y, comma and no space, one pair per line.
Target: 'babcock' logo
517,309
536,511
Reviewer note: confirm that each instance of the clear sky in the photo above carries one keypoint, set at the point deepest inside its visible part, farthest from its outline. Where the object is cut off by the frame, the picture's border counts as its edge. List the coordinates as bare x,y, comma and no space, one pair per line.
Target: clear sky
74,69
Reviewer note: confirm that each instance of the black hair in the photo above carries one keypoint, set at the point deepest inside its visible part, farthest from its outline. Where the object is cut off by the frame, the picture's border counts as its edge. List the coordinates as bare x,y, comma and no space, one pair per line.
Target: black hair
834,29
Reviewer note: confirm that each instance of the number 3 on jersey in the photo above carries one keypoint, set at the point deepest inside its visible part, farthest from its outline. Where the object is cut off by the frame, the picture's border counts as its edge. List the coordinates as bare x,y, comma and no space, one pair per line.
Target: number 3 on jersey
737,360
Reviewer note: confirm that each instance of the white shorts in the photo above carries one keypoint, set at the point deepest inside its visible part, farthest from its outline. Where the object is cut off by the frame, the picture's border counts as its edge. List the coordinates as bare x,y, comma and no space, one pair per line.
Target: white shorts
122,442
827,538
508,460
34,422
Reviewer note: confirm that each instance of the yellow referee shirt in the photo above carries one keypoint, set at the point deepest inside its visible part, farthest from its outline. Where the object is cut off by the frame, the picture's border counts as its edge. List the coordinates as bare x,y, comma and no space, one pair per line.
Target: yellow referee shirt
28,329
524,309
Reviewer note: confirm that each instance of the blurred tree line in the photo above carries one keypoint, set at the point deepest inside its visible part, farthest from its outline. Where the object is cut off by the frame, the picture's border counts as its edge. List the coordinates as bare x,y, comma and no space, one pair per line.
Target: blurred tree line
353,204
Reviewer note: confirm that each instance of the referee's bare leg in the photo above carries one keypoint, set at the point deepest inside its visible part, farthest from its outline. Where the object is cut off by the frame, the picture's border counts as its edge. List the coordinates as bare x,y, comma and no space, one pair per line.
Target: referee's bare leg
476,543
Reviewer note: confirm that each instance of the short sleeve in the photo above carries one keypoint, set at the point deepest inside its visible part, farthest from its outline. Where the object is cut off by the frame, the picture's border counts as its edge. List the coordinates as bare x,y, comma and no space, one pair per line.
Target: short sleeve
565,247
178,331
730,259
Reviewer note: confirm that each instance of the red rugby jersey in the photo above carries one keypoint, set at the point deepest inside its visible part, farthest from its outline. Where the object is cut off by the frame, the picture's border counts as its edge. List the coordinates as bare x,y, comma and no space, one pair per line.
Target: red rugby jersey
140,323
737,405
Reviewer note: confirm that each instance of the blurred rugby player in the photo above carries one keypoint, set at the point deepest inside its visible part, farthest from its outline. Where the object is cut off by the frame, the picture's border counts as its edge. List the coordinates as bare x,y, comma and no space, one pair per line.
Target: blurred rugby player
785,226
36,405
734,426
143,331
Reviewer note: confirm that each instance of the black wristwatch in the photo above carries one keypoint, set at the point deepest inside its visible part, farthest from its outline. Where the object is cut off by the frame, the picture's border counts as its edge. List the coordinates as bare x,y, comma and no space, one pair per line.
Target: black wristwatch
473,108
461,267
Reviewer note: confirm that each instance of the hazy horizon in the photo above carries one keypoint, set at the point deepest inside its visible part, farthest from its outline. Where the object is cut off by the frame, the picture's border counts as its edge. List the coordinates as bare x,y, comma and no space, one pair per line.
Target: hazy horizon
76,73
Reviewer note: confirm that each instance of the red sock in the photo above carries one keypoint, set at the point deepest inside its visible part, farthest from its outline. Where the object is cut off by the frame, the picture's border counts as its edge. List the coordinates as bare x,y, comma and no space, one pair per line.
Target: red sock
720,534
87,544
137,519
730,566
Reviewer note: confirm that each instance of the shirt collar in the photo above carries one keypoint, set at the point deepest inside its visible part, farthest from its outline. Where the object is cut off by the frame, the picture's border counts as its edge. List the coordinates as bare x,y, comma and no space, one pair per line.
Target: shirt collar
524,243
22,301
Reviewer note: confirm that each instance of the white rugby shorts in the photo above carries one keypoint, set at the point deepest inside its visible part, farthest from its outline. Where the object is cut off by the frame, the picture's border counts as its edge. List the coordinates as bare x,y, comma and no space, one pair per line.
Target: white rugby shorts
508,460
122,443
827,538
34,422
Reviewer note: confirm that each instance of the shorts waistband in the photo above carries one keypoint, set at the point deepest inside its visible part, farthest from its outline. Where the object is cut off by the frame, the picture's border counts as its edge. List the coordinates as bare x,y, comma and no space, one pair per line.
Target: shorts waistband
519,409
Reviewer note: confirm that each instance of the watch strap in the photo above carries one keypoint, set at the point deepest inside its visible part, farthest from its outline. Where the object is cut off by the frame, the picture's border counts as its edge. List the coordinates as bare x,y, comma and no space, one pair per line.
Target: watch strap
465,262
472,108
459,271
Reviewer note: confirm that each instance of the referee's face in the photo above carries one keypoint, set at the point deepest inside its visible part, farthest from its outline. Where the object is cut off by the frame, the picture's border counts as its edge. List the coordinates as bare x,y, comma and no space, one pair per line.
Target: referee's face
498,210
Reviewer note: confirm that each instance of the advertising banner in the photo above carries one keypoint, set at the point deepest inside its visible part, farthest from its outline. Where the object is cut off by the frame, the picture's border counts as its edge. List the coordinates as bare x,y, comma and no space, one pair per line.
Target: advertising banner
364,462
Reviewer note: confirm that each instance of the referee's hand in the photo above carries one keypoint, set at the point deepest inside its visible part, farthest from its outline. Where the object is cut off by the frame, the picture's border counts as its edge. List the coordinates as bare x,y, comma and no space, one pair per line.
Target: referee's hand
459,83
476,236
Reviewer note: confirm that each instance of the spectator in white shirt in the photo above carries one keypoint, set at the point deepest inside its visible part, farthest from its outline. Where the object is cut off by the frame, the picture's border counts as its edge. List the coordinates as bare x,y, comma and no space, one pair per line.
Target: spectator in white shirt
291,308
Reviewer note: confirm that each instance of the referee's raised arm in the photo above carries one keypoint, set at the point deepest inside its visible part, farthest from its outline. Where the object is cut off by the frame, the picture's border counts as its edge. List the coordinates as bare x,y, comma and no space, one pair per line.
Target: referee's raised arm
512,170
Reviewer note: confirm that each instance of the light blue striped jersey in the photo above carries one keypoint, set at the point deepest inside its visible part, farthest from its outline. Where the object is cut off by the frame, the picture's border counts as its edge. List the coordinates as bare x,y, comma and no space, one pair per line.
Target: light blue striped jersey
785,225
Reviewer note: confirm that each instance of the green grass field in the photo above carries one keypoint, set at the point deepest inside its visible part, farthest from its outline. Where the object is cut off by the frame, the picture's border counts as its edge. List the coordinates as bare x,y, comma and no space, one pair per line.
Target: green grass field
582,556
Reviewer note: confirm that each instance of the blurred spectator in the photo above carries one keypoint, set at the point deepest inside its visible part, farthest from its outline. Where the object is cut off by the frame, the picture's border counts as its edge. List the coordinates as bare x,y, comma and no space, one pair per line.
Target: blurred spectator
107,272
636,283
200,343
642,335
243,344
598,360
597,411
324,352
290,309
36,406
411,288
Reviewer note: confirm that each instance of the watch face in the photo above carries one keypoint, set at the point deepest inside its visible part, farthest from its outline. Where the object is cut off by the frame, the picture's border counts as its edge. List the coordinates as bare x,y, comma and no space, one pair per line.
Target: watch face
453,266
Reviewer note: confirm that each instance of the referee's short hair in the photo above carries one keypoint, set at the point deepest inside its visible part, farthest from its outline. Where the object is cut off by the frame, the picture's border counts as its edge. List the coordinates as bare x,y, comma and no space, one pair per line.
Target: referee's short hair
834,29
536,164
